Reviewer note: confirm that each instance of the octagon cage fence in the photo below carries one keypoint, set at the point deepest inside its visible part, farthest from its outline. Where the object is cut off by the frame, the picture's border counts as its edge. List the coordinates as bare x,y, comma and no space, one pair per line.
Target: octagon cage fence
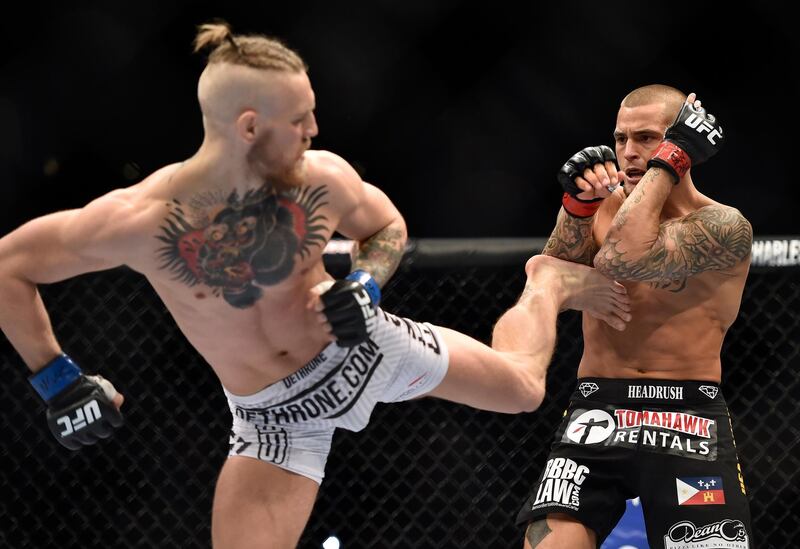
424,473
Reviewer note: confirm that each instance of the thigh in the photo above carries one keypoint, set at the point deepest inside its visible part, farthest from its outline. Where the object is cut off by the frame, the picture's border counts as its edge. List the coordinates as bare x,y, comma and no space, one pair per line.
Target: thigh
486,379
559,531
257,504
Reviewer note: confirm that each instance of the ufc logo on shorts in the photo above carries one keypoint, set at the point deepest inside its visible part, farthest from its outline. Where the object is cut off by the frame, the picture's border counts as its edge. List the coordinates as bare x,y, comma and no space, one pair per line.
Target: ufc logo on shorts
89,413
700,125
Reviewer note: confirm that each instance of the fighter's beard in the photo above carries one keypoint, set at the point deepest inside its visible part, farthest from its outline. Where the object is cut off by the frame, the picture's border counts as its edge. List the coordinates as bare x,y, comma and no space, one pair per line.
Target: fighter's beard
281,178
288,179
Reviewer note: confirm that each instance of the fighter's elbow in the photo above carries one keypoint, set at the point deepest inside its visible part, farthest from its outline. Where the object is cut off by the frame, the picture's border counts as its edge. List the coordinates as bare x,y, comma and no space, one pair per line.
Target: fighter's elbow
629,266
399,228
601,263
11,262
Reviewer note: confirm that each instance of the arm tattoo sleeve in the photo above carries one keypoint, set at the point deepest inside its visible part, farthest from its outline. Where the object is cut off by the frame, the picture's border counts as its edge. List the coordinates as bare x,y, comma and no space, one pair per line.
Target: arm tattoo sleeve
381,253
572,239
713,238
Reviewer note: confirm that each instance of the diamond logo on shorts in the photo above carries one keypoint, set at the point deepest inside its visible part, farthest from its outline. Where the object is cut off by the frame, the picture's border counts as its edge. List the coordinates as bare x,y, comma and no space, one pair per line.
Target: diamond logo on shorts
588,388
709,390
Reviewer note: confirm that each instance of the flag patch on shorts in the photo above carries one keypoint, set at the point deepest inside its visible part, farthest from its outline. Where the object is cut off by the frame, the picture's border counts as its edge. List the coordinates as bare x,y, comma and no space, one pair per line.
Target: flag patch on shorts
700,491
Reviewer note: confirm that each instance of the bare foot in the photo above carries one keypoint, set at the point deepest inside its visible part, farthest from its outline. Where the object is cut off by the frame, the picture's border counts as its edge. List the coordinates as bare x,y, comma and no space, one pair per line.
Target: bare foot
581,288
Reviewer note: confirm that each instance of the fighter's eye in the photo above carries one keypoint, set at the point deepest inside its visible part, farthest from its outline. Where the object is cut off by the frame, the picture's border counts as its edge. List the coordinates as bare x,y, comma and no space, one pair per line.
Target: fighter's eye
216,233
245,225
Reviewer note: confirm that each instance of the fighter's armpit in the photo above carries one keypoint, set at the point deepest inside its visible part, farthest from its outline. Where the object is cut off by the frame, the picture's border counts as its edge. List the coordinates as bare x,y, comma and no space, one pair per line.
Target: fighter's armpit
714,238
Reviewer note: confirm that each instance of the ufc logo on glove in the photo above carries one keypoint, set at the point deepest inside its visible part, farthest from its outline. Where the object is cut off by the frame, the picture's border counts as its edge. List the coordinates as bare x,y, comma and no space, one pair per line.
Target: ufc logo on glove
699,124
83,417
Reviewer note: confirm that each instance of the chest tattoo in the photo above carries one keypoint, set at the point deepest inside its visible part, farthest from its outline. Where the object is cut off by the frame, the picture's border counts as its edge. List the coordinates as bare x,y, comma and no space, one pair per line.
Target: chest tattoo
236,244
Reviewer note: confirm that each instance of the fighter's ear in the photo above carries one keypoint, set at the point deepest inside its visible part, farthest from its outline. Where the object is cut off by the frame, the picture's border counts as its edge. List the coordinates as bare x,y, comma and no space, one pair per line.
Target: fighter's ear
246,125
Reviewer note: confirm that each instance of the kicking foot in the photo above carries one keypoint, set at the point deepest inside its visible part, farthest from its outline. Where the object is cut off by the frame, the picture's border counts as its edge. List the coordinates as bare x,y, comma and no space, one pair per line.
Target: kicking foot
581,288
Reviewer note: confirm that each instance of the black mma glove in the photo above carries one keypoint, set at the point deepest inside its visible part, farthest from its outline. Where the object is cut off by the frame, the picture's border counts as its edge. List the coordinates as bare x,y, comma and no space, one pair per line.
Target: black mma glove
350,307
694,137
573,168
79,407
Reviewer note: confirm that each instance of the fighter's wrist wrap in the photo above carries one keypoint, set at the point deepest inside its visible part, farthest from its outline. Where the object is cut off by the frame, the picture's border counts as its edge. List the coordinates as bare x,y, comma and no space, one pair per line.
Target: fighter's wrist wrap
369,283
672,158
57,375
573,168
580,208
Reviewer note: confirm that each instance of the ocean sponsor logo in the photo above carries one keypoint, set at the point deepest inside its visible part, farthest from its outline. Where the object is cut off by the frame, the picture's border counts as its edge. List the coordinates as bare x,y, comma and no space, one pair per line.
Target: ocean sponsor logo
561,484
590,427
587,388
329,397
700,491
725,534
661,392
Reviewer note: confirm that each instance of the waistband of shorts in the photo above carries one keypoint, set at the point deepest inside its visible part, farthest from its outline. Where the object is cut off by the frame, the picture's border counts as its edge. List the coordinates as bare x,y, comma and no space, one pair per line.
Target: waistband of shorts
331,353
658,391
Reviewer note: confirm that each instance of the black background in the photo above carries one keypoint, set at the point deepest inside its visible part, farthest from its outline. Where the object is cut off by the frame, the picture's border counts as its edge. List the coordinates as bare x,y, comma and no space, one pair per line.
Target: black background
461,112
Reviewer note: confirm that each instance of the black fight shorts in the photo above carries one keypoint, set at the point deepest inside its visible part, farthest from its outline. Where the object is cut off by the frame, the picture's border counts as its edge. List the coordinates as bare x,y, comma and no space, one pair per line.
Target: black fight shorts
668,442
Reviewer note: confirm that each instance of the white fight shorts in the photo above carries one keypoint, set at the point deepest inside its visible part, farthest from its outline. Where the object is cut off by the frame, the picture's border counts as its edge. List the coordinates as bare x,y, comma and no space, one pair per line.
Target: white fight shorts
291,422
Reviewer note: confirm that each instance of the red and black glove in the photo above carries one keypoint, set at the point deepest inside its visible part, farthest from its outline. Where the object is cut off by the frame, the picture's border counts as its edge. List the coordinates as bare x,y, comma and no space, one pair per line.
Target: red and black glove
693,138
573,168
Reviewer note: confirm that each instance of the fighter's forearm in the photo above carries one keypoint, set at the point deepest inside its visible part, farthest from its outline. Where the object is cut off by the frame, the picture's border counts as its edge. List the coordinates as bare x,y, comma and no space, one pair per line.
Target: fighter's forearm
636,225
25,322
381,253
572,239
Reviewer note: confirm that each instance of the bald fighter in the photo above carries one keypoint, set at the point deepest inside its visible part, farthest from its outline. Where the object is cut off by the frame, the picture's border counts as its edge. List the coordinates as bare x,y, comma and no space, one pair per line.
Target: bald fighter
231,240
647,417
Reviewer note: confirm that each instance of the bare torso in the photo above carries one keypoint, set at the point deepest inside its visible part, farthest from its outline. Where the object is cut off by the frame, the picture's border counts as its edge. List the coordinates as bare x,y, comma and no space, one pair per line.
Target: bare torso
676,333
235,271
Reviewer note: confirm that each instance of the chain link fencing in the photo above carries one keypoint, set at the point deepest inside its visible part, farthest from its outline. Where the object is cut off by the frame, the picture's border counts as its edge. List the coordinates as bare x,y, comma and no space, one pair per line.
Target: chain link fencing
424,473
